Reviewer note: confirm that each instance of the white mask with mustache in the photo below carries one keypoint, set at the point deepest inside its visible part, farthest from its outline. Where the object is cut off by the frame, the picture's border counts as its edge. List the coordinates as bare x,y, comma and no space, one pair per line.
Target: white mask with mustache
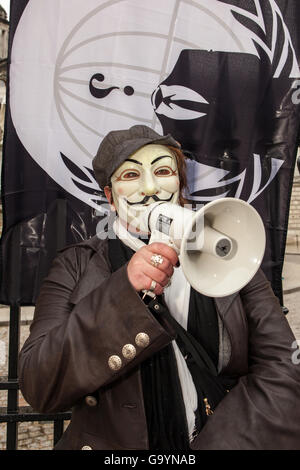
149,175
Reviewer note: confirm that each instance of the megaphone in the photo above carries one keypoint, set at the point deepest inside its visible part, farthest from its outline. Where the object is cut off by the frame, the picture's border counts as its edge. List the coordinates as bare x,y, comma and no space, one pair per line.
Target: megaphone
220,246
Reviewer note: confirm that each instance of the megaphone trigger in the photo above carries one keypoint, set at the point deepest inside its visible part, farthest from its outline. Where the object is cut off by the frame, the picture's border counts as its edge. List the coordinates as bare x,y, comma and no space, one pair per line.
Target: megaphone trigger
161,237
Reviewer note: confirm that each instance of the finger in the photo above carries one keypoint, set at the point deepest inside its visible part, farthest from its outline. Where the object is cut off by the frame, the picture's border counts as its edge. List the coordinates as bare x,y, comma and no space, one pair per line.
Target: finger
164,250
158,290
165,266
156,274
141,282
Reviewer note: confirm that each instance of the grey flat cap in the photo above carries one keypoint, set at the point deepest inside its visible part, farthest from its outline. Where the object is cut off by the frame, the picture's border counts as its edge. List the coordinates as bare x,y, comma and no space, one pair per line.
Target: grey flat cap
119,145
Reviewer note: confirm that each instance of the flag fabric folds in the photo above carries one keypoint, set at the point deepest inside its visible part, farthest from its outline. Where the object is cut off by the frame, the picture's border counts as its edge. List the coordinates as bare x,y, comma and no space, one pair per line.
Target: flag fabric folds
222,76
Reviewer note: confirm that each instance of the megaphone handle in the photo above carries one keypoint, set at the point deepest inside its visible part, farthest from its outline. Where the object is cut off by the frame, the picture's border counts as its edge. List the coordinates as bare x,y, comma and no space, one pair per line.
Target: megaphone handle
157,236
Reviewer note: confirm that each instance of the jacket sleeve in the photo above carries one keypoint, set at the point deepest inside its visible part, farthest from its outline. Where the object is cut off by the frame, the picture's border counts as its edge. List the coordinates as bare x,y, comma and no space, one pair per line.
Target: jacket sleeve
263,410
66,354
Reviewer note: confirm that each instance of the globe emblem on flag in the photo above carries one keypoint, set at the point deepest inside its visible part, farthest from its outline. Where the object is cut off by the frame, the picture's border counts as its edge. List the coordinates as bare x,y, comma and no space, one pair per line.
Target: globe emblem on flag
106,67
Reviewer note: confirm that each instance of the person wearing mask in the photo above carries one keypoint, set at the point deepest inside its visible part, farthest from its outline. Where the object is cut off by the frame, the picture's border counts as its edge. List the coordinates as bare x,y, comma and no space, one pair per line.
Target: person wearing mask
144,360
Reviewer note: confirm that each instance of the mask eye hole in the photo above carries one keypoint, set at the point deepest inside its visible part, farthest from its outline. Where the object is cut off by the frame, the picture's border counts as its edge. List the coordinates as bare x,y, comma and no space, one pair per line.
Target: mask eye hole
164,171
128,175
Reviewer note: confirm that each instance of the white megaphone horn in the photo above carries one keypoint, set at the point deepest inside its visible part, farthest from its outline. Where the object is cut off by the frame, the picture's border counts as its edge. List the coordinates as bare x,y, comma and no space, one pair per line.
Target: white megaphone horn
220,247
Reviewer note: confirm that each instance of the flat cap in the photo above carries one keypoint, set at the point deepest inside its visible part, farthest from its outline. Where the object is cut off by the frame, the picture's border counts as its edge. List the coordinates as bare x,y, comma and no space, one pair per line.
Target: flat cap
119,145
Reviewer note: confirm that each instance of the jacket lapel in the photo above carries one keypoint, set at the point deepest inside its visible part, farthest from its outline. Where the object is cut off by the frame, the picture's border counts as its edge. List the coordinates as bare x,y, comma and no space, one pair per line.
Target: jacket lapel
223,304
234,318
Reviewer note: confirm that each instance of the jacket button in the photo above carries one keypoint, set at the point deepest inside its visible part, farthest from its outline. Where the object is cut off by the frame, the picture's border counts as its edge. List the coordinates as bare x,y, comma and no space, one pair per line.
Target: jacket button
142,340
90,400
86,448
129,351
115,362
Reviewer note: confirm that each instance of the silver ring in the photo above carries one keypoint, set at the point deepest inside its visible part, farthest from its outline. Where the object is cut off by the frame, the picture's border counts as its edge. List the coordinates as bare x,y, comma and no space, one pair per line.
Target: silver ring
156,260
152,286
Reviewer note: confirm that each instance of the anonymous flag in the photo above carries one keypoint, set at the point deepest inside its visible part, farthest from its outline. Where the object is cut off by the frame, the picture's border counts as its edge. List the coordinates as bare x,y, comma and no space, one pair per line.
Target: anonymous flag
221,75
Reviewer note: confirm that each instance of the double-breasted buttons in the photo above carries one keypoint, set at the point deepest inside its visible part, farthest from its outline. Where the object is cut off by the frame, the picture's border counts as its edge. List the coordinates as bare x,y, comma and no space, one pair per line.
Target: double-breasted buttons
90,400
142,340
115,362
86,448
129,351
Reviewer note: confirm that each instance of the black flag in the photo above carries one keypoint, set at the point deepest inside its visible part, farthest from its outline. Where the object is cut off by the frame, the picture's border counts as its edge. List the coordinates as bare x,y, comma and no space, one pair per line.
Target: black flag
221,76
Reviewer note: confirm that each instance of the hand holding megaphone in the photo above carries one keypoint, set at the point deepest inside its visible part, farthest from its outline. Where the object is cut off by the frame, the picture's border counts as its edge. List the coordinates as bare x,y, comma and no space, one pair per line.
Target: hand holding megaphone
220,247
154,265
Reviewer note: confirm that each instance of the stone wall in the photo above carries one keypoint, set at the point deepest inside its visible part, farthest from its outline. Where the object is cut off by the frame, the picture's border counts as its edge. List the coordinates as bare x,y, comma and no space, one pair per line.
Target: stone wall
293,236
294,218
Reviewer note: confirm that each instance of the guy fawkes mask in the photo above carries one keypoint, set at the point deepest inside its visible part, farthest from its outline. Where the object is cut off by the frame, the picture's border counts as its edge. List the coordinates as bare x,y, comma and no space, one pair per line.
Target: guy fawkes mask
147,176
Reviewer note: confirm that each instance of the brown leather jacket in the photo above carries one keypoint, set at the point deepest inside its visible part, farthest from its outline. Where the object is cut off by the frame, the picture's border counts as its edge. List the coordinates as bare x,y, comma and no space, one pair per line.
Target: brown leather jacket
85,314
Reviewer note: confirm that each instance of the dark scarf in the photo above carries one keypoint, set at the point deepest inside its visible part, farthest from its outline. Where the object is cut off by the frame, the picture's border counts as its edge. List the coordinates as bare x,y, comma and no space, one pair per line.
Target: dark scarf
164,406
